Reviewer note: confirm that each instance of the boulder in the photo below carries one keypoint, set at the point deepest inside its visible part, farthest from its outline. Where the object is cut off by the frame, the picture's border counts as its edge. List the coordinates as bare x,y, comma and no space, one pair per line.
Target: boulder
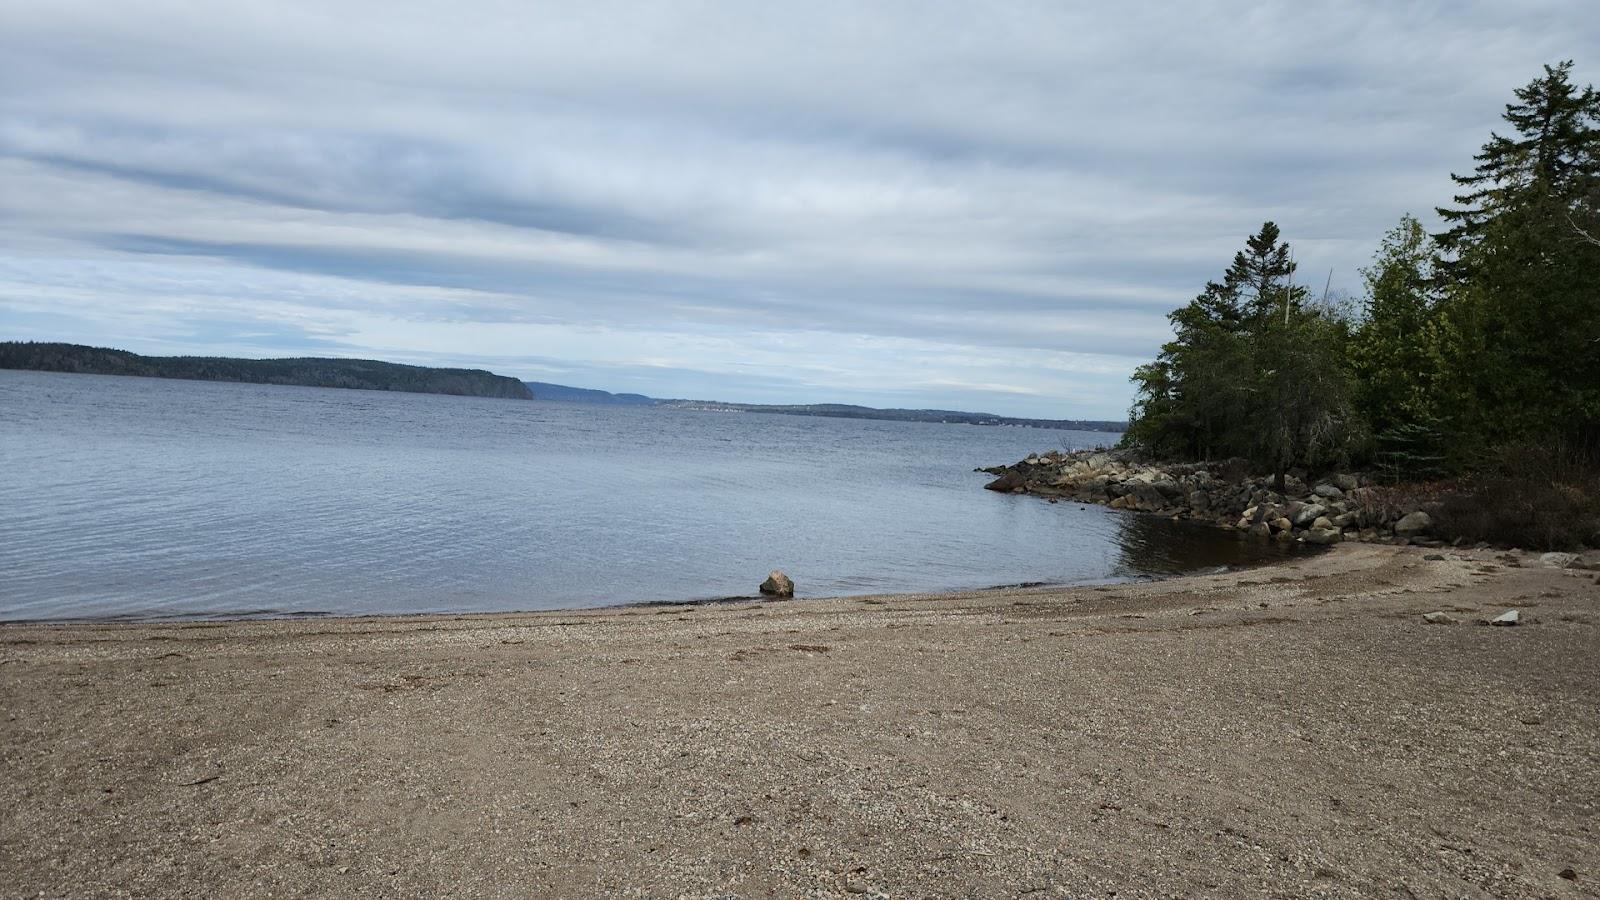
1588,562
1260,530
1557,560
1346,483
1323,536
1509,617
1167,487
1306,513
777,585
1281,524
1438,618
1324,523
1008,482
1413,524
1328,491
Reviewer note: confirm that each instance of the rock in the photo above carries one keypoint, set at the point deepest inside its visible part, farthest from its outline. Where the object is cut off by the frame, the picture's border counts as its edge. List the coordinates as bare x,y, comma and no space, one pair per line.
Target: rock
1327,490
1281,524
1167,487
1346,483
1328,535
1413,524
1261,529
777,585
1306,513
1434,557
1438,618
1557,560
1344,520
1509,617
1568,874
1008,482
1589,562
1323,522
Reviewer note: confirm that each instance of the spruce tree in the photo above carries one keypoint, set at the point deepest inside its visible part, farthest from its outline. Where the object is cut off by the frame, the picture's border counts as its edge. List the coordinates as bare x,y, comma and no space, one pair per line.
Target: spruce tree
1523,285
1554,154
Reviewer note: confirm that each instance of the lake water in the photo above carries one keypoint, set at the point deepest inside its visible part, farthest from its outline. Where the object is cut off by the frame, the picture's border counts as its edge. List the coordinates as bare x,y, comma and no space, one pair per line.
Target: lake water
147,498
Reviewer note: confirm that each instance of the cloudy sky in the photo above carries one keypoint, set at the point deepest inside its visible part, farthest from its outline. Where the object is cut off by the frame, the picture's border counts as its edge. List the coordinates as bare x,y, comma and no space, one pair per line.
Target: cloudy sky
977,205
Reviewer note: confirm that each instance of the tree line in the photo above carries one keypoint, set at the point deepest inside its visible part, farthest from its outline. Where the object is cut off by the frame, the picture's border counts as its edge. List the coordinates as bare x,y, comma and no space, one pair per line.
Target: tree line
1465,342
361,374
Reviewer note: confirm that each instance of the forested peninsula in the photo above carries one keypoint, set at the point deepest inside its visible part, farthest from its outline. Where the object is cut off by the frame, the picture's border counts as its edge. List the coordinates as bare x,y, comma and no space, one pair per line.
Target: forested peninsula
1460,395
360,374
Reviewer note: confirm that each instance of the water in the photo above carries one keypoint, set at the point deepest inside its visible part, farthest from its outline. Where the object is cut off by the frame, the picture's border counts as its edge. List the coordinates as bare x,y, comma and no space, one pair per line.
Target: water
146,498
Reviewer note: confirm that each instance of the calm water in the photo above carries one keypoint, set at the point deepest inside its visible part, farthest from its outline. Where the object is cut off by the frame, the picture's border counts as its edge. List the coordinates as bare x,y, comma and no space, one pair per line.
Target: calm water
132,497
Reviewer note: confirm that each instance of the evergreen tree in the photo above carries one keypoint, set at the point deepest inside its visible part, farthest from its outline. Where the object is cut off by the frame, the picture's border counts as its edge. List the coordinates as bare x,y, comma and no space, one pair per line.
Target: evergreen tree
1555,154
1523,286
1398,347
1249,371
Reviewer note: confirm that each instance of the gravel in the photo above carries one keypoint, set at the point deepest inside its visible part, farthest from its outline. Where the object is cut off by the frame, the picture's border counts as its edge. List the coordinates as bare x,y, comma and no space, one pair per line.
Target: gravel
1296,730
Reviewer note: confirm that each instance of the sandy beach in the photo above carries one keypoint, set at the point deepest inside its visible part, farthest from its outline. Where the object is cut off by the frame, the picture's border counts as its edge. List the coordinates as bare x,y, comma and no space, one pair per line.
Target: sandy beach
1295,730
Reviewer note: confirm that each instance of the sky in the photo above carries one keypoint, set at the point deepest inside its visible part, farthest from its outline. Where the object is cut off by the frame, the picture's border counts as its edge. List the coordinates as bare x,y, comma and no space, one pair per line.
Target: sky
984,206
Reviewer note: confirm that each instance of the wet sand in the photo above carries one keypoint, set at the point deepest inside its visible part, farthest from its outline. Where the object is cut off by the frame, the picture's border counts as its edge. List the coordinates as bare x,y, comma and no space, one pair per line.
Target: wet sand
1295,730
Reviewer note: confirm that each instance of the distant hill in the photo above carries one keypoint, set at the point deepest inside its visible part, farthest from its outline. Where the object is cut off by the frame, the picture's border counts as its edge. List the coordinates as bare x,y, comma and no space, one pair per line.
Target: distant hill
560,393
363,374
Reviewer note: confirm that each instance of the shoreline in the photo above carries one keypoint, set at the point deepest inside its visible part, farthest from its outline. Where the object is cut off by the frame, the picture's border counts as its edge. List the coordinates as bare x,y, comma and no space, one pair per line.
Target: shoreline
1293,729
710,602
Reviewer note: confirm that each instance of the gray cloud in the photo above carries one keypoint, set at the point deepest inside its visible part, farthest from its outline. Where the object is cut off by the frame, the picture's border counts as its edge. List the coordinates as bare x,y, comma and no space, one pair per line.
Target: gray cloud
924,204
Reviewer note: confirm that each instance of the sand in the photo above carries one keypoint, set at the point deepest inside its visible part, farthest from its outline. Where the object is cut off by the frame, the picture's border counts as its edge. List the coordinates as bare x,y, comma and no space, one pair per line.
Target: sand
1295,730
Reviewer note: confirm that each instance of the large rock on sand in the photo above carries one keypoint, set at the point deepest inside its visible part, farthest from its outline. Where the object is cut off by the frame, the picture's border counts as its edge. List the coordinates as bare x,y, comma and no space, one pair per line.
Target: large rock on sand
1414,524
777,585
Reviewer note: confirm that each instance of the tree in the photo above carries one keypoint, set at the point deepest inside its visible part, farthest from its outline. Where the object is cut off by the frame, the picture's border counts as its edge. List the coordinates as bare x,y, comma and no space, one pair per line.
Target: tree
1555,154
1303,414
1250,371
1398,354
1522,283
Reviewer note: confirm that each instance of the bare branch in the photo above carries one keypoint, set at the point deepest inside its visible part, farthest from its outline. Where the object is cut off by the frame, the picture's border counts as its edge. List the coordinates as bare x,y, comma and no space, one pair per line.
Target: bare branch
1581,233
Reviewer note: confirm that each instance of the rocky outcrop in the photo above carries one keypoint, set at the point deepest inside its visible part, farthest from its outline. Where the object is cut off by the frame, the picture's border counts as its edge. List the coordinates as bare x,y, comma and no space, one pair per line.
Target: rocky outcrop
1335,507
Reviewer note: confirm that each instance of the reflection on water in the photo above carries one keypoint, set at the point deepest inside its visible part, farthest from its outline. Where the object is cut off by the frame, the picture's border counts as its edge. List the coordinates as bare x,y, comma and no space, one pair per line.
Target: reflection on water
1154,546
144,498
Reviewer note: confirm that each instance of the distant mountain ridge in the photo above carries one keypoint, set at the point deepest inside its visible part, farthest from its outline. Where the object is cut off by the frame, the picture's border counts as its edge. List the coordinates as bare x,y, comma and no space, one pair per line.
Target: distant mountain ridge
360,374
560,393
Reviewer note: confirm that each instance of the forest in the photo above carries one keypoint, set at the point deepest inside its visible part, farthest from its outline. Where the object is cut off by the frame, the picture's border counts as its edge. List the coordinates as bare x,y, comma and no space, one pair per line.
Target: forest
363,374
1471,361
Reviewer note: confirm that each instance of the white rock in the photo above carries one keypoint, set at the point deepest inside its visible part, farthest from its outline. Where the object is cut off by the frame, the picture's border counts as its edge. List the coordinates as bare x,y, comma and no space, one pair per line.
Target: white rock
1509,617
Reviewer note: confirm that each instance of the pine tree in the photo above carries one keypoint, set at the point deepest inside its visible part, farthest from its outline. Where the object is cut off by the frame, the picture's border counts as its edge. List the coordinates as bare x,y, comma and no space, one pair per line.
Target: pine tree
1555,154
1249,372
1523,286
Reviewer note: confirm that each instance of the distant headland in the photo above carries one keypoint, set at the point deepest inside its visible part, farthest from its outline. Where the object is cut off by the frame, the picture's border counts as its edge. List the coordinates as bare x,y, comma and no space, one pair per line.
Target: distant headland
373,375
360,374
561,393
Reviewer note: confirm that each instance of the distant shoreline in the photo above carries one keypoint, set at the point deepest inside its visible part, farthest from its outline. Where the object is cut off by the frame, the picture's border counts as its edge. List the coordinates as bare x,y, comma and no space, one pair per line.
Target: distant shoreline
356,374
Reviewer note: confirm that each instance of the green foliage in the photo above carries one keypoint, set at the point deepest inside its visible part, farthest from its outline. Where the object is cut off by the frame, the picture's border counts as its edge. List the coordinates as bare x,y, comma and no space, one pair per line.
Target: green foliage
1251,371
1400,353
1485,336
1411,451
1523,282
